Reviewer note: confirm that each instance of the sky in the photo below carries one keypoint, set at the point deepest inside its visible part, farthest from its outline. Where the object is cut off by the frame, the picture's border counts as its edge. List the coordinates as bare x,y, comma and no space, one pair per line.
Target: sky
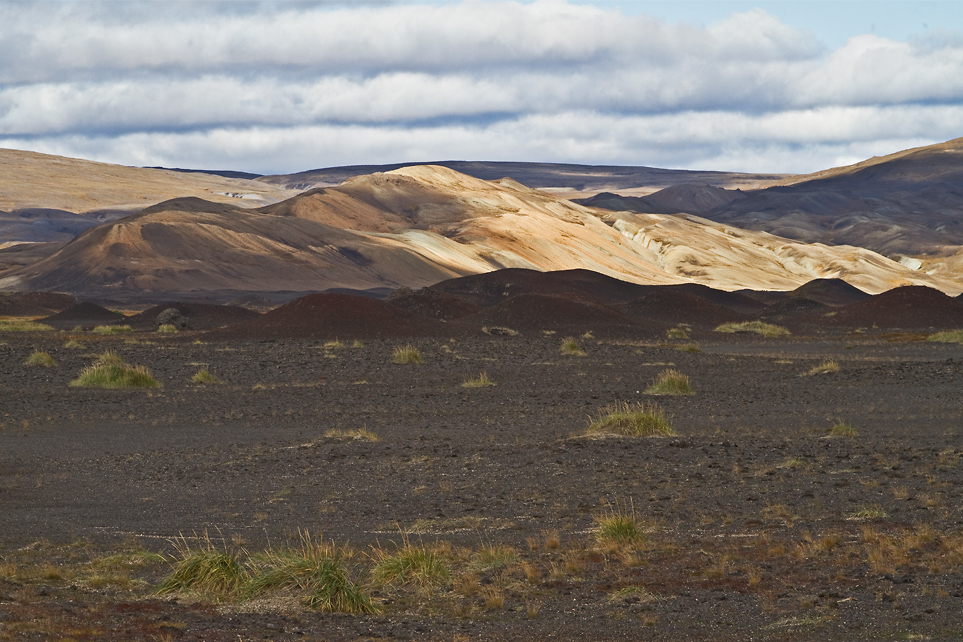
279,87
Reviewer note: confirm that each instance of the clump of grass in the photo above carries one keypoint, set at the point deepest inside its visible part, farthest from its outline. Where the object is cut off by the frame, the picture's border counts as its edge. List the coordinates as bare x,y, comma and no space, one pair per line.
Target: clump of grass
22,325
571,348
313,568
824,367
39,358
204,376
112,329
333,345
842,429
618,528
412,564
167,328
205,569
493,556
677,333
73,343
758,327
407,354
637,593
480,381
498,331
357,344
869,512
636,420
689,347
360,434
110,371
950,336
670,382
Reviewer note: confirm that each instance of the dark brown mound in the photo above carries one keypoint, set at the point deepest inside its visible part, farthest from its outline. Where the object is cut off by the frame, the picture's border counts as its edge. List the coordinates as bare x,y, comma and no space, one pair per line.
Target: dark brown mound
490,288
200,316
908,307
434,304
85,315
794,312
734,301
670,306
834,292
31,304
337,316
532,314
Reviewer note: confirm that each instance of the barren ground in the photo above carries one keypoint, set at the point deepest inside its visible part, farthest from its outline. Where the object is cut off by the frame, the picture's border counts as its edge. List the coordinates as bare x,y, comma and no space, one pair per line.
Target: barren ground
758,526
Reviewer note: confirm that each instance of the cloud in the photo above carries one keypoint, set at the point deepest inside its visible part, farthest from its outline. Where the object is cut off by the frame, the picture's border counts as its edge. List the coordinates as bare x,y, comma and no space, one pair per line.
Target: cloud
286,87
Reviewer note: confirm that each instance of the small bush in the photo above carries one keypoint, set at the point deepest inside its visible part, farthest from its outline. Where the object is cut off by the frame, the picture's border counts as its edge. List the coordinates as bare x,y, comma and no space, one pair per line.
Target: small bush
618,528
204,376
22,325
670,382
112,329
41,359
842,429
631,421
950,336
480,381
110,371
758,327
570,347
167,328
824,367
207,570
406,354
412,565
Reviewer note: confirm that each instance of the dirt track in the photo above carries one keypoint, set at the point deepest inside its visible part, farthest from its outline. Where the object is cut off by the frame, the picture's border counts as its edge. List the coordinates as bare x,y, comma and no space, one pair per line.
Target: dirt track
734,504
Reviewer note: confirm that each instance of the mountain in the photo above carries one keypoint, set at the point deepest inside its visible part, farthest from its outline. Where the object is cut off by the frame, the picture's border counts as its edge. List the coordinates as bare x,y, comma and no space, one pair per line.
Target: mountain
419,225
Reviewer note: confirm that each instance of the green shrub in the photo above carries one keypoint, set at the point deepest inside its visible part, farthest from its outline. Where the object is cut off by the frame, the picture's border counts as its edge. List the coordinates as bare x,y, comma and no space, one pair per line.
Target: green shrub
670,382
571,348
41,359
765,329
406,354
207,570
110,371
618,528
112,329
628,420
481,381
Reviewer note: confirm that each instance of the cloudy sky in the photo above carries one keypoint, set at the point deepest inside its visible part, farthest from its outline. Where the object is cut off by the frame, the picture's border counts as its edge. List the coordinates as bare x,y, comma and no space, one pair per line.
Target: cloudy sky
274,87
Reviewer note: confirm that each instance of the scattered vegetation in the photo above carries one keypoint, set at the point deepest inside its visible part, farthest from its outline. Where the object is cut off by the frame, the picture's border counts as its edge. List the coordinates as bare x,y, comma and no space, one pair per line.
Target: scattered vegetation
677,333
498,331
758,327
688,347
112,329
110,371
869,512
824,367
22,325
842,429
360,434
670,382
481,381
39,358
73,343
571,348
205,569
636,420
411,564
204,376
167,328
406,354
950,336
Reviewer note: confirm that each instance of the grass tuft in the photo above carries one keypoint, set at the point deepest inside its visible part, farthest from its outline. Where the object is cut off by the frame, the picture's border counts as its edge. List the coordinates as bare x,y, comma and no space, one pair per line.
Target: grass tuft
361,434
167,328
868,512
571,348
112,329
22,325
824,367
412,564
110,371
206,569
618,528
407,354
204,376
670,382
39,358
950,336
480,381
677,333
758,327
842,429
498,331
628,420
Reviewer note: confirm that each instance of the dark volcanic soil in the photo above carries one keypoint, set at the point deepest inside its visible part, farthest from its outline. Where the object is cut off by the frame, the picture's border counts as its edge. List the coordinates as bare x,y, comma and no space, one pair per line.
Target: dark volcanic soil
758,525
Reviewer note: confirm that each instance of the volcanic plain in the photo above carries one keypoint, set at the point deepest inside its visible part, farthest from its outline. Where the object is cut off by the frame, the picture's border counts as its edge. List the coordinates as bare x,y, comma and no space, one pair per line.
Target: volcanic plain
810,487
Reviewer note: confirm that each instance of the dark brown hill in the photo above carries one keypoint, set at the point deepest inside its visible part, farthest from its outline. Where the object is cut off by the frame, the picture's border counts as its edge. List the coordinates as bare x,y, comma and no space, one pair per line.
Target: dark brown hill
909,308
835,292
32,304
433,304
535,314
670,306
691,199
337,316
196,316
85,315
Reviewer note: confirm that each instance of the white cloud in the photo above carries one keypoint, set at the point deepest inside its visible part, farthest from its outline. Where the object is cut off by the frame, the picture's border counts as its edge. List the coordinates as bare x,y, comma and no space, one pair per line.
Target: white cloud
290,86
